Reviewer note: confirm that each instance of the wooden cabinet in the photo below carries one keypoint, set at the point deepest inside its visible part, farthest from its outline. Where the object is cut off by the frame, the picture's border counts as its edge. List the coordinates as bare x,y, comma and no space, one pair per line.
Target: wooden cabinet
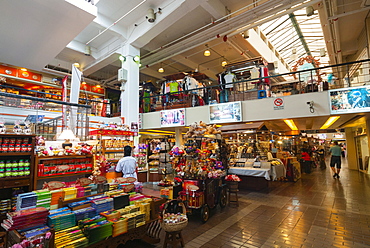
16,161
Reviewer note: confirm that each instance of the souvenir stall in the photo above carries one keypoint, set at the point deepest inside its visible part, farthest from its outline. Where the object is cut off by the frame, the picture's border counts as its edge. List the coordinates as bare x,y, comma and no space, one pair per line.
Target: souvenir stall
200,168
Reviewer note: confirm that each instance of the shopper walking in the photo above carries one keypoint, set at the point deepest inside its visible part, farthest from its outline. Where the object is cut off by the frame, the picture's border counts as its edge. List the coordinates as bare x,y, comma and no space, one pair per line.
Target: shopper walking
335,160
321,153
127,164
306,159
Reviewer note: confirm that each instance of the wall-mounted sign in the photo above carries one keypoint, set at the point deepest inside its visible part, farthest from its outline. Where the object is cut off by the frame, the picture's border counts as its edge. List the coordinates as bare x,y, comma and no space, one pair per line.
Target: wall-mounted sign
350,100
173,117
278,103
225,112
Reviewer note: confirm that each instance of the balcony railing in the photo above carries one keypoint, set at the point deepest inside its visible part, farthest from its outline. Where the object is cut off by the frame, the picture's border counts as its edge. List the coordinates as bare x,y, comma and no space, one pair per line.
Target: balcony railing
350,74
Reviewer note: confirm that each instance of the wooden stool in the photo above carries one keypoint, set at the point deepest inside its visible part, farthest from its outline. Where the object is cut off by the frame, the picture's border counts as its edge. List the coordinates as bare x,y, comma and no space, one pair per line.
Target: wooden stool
233,193
173,238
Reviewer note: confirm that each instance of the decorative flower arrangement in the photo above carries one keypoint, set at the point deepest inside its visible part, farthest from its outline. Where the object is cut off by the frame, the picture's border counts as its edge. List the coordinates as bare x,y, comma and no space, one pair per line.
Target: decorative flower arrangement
232,178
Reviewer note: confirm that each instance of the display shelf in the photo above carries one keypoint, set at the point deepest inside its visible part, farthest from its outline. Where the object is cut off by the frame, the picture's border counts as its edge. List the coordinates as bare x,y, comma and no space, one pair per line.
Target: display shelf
112,151
63,175
15,154
23,180
64,157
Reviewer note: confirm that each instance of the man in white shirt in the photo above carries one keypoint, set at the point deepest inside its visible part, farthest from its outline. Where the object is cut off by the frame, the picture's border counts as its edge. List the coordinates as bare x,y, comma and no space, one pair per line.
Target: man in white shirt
127,164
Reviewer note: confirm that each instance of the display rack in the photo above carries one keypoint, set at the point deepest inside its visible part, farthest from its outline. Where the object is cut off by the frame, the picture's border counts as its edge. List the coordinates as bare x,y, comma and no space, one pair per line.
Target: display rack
16,166
142,164
50,167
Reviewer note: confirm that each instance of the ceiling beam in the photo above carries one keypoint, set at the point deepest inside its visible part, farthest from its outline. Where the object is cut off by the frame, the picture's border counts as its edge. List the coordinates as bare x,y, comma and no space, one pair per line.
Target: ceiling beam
246,20
215,8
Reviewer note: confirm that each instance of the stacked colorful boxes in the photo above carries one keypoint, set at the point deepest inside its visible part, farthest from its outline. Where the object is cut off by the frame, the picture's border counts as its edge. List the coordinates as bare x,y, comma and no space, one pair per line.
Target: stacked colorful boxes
102,205
145,208
26,201
80,204
87,190
139,218
80,191
43,198
71,237
35,232
84,213
111,214
25,219
55,196
70,193
61,218
121,200
5,206
98,231
119,226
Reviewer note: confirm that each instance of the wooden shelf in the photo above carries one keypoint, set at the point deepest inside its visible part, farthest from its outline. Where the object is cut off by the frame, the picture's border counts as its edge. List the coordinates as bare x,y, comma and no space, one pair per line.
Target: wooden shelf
15,154
63,175
15,178
17,135
64,157
113,151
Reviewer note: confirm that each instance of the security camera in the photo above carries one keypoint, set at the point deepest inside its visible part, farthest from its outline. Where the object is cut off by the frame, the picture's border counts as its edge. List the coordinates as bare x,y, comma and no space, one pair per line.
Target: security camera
310,103
150,15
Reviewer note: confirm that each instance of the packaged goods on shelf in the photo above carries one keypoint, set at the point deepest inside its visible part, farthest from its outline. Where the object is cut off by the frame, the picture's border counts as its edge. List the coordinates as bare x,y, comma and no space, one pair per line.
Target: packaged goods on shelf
25,219
43,198
111,214
80,204
102,205
119,226
70,193
35,232
55,196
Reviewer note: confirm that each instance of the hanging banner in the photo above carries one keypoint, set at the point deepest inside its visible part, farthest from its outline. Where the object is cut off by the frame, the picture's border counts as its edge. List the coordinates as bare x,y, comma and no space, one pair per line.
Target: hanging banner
74,95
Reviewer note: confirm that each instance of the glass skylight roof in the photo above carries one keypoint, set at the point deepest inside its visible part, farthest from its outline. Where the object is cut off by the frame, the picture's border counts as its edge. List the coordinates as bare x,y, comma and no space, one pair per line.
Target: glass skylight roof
283,36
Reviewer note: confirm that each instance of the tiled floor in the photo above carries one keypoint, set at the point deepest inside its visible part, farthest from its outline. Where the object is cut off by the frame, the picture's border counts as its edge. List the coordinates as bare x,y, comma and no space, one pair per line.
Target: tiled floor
316,211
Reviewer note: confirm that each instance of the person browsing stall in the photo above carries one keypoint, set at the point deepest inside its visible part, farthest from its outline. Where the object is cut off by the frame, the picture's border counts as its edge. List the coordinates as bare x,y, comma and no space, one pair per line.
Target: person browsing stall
127,164
335,160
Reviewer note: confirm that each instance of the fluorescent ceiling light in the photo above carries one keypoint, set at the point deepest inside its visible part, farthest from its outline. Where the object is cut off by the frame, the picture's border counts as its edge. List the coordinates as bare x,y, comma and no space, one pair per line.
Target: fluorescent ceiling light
291,124
330,121
160,131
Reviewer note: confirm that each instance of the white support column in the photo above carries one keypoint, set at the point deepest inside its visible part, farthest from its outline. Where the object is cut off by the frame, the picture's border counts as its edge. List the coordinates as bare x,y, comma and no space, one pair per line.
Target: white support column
179,139
130,94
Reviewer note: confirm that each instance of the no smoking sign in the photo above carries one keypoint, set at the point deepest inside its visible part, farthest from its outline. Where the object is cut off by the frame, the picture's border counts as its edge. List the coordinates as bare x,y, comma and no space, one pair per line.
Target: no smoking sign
278,103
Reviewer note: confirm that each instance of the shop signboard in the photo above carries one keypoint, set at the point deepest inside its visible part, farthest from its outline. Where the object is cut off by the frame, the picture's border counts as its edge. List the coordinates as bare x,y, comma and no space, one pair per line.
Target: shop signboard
173,117
225,112
134,127
350,100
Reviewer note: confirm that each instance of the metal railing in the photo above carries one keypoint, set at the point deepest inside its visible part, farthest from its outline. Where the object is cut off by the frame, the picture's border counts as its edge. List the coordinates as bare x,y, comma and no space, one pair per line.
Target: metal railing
350,74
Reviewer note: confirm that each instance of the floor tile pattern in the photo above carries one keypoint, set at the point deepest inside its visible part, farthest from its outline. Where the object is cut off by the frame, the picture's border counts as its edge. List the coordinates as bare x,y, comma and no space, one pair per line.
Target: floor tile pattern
316,211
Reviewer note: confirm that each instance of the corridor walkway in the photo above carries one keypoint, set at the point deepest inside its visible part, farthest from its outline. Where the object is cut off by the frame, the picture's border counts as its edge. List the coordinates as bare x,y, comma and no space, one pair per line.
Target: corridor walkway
316,211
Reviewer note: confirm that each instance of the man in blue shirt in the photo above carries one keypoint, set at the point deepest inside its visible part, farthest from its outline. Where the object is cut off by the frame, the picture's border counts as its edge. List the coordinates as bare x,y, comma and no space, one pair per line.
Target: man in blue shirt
335,160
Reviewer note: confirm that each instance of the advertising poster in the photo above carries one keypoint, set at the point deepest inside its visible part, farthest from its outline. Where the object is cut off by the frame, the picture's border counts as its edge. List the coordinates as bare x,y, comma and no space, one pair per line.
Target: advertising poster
350,100
173,117
225,112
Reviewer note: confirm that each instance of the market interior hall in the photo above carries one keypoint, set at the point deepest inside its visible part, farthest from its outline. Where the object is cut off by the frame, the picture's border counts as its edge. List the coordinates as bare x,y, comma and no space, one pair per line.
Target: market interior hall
192,123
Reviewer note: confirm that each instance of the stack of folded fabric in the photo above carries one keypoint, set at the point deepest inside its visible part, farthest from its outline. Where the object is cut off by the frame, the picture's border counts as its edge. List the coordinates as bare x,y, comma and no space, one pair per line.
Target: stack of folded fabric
25,219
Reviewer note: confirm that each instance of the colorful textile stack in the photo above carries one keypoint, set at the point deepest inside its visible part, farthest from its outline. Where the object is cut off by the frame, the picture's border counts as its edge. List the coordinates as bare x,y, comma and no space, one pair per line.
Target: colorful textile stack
61,218
55,196
26,201
25,219
70,193
84,213
102,205
111,214
98,231
43,198
71,237
119,226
